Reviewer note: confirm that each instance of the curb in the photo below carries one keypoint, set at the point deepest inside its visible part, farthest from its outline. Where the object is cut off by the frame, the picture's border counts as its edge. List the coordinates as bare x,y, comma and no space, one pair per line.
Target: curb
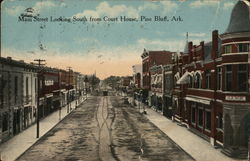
48,131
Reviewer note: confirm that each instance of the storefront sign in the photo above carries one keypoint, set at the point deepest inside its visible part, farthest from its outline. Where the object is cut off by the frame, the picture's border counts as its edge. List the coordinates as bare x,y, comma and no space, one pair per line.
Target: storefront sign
199,100
235,98
49,82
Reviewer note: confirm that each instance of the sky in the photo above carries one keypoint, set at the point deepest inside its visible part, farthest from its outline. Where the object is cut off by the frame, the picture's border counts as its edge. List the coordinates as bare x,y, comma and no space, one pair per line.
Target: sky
106,47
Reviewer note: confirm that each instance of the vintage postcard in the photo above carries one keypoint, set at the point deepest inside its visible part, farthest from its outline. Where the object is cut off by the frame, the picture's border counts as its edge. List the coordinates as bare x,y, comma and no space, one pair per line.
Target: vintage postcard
125,80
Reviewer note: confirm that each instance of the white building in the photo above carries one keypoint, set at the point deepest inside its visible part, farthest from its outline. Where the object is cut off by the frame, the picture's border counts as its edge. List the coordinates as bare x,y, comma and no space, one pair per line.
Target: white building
17,97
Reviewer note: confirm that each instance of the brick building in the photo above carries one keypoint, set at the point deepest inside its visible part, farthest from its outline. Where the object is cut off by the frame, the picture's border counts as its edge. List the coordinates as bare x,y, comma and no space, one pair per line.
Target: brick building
149,59
211,95
235,96
49,88
162,84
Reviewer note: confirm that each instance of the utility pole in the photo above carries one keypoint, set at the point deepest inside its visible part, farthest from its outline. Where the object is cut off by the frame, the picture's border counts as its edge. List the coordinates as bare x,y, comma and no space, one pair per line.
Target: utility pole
68,104
60,95
39,63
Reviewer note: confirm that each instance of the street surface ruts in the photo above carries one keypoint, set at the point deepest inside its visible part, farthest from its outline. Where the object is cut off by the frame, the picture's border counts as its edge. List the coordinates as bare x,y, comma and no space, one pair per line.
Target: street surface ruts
104,128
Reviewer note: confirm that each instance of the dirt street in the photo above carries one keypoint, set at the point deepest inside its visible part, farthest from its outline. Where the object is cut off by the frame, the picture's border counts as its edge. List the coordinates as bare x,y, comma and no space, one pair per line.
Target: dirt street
104,128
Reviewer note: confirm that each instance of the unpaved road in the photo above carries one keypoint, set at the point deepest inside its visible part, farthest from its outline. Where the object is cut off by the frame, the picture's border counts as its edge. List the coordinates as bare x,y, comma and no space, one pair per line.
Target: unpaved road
103,128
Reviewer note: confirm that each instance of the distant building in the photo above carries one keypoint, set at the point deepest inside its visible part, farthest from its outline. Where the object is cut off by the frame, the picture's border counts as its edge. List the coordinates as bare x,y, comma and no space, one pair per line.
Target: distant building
137,75
161,83
168,87
125,81
149,59
49,87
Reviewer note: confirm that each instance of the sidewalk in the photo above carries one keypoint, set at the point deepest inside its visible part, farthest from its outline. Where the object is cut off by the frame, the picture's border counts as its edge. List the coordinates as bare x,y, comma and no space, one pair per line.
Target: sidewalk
197,147
14,147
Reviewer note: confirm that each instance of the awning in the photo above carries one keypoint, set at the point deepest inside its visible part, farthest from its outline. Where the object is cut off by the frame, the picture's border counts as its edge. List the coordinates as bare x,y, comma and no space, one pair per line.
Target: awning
48,95
199,100
184,79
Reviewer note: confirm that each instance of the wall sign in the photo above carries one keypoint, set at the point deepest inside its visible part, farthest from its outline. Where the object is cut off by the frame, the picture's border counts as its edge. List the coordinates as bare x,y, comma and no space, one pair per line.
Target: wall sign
49,82
235,98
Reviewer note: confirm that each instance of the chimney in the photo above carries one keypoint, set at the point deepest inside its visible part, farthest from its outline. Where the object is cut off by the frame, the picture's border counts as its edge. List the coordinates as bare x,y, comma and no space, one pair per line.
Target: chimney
190,46
202,50
214,44
190,54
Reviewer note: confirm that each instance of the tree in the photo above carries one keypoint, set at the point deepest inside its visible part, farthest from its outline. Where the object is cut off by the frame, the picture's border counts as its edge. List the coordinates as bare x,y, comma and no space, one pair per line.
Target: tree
94,81
112,81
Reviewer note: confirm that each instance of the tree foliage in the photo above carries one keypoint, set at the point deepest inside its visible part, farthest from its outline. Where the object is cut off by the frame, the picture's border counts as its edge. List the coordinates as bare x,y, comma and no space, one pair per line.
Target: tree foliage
112,80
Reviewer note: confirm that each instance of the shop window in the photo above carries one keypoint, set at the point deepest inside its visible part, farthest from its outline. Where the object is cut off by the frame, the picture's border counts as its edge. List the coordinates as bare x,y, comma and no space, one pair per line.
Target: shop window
243,47
219,118
193,115
228,77
242,77
228,49
208,80
200,117
208,120
219,78
5,122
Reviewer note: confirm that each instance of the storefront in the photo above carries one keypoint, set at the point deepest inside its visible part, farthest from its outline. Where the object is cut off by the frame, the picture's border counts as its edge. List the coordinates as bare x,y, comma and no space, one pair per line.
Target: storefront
17,115
200,116
167,106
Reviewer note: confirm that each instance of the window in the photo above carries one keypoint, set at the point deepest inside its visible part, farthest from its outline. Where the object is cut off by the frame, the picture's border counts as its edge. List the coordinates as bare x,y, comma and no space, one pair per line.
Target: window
27,86
243,47
200,117
35,85
208,120
190,84
168,83
242,77
152,80
5,122
219,78
197,80
228,78
15,88
228,49
193,115
208,79
2,84
219,118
